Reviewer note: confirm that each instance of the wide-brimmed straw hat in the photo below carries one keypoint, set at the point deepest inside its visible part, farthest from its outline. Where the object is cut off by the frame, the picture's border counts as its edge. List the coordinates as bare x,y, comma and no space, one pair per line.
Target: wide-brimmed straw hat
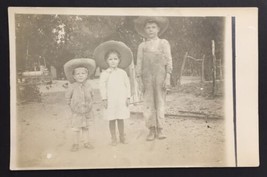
140,23
126,55
79,62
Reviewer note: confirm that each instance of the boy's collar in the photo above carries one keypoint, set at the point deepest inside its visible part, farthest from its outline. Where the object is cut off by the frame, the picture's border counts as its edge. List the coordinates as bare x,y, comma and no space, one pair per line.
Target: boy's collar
82,83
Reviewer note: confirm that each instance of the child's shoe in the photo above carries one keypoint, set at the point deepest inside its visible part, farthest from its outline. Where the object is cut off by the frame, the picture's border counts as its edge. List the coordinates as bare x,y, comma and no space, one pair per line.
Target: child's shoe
160,134
152,134
74,148
123,140
113,141
88,146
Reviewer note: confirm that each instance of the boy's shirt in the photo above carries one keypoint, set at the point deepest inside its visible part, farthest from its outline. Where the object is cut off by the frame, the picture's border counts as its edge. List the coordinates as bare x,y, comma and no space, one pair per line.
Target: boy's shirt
80,97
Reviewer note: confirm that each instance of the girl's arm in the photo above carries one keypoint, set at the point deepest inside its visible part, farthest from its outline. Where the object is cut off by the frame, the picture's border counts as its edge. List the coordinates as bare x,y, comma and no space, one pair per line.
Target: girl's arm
127,84
128,87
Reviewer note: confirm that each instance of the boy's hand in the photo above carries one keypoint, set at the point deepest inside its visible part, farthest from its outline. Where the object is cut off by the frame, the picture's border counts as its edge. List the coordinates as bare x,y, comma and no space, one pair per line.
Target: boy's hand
127,102
105,103
166,84
70,107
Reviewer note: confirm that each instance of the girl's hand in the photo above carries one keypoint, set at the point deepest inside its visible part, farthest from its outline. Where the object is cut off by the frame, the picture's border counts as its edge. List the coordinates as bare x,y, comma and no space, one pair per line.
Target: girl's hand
127,102
105,103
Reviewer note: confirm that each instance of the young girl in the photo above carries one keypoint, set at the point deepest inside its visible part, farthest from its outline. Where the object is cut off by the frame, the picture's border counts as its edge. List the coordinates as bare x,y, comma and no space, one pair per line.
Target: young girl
79,97
114,85
154,66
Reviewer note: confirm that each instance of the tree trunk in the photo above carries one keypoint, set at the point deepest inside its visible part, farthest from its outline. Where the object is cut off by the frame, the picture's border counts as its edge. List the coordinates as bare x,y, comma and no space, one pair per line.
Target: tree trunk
203,69
221,69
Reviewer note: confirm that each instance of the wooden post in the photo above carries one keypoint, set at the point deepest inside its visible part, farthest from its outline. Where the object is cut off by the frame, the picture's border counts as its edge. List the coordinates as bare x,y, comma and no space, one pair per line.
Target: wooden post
202,69
213,68
53,72
44,62
221,70
27,56
182,67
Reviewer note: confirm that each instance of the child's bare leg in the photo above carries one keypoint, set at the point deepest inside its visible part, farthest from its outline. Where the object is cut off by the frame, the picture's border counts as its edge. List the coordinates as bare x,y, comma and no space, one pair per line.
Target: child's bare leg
112,129
85,135
76,138
85,132
121,130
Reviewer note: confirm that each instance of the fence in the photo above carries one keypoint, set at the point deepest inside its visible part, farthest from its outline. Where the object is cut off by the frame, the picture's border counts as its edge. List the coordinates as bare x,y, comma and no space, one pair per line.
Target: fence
192,65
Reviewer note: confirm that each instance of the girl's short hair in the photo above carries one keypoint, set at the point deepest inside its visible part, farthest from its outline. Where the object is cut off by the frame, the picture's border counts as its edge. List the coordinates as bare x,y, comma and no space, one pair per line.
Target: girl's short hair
73,72
110,52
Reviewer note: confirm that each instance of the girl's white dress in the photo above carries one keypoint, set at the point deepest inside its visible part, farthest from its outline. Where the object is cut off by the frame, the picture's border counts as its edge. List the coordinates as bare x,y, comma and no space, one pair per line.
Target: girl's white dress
115,87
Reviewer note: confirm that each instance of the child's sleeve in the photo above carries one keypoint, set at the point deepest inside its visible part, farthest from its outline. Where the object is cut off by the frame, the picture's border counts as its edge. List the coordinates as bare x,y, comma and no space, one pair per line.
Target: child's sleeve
139,60
90,88
68,94
102,85
92,92
168,55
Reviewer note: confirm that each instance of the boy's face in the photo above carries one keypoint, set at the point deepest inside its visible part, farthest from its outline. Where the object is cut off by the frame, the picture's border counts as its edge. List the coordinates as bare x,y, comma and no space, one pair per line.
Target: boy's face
80,74
152,30
113,60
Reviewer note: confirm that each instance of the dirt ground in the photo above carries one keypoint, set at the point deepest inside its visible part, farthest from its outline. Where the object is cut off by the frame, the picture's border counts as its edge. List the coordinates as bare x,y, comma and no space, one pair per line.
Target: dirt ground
44,136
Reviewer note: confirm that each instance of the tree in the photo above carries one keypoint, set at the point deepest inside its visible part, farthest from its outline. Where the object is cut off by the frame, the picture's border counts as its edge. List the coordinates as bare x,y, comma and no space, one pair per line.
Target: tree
59,38
194,35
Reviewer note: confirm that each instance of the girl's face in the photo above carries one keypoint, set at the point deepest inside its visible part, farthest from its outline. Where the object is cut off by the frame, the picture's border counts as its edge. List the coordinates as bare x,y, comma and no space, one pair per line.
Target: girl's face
152,30
80,74
113,60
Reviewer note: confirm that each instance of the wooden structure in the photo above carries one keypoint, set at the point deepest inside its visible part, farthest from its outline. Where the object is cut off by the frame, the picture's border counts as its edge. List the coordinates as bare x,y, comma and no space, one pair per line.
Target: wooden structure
198,60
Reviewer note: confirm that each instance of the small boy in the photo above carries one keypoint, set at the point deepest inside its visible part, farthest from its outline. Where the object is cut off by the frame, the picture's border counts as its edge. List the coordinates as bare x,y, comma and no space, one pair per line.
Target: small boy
79,97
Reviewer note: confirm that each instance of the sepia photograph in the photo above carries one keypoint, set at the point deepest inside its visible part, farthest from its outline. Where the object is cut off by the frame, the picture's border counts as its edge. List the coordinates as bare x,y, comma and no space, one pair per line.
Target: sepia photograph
126,88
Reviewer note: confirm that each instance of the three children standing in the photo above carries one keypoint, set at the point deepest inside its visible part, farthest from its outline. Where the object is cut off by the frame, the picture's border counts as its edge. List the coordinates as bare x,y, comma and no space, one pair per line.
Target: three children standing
153,69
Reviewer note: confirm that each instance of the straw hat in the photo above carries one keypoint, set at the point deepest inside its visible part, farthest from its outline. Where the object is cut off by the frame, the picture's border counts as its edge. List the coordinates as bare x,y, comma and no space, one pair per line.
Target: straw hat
79,62
140,23
126,55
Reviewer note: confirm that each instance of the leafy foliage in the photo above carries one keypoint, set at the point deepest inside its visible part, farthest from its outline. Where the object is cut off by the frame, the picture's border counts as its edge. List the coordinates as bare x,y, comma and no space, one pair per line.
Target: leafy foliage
55,39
